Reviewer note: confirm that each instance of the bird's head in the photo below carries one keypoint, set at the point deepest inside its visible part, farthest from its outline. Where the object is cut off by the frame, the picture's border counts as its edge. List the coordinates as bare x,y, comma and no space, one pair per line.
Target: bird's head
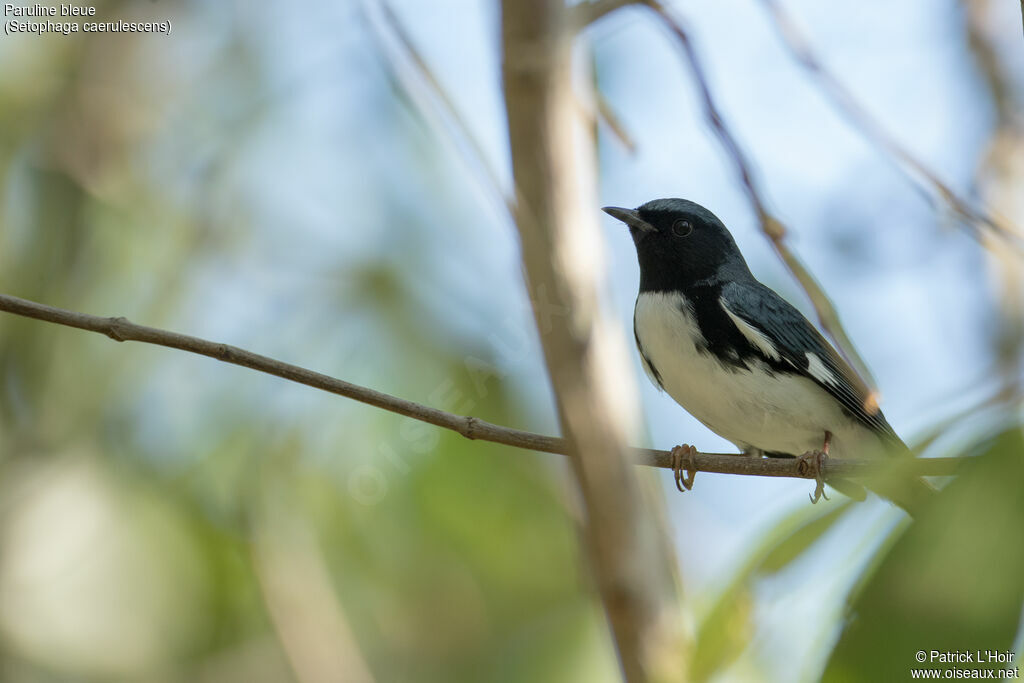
679,243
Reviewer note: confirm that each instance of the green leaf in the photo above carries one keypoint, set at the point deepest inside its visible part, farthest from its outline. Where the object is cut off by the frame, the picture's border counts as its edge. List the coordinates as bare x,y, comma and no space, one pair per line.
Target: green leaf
725,630
724,633
794,544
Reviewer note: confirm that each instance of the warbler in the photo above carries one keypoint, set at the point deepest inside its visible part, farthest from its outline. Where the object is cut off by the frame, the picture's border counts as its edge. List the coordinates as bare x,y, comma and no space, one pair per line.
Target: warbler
741,359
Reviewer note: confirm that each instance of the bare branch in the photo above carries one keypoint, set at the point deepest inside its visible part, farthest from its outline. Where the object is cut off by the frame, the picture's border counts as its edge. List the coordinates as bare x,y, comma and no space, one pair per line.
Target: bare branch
121,329
443,101
630,556
773,229
614,123
858,115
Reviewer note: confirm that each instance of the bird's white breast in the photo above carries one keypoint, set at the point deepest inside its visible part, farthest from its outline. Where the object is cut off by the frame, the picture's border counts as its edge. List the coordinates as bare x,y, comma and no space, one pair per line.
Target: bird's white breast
752,407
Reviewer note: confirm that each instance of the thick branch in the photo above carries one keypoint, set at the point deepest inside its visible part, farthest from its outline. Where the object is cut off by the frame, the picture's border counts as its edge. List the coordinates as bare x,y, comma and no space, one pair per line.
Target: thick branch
121,329
632,562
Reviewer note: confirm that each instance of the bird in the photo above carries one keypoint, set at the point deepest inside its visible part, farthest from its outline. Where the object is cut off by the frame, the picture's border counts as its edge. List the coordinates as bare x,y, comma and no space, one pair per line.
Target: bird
744,361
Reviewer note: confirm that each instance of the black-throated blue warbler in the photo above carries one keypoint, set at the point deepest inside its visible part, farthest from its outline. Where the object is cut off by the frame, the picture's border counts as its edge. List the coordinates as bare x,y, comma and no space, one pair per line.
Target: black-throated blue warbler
740,358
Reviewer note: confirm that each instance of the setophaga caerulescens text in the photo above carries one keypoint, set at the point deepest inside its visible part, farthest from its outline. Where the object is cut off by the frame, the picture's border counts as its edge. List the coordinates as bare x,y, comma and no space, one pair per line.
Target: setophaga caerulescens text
740,358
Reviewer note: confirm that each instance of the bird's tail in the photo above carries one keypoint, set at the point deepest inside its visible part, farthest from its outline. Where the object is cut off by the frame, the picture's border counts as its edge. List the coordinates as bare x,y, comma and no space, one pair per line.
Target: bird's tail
895,483
912,495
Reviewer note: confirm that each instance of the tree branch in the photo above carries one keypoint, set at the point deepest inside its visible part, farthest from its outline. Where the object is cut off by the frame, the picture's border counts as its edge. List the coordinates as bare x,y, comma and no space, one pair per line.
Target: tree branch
800,49
471,150
631,560
771,226
121,329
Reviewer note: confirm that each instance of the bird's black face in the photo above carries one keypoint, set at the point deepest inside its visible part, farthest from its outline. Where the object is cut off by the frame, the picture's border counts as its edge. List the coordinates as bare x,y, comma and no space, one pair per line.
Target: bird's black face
679,243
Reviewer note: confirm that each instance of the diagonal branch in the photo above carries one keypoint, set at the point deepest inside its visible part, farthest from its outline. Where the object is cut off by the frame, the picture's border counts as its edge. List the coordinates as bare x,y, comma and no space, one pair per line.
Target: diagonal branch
772,228
475,155
800,48
121,329
606,113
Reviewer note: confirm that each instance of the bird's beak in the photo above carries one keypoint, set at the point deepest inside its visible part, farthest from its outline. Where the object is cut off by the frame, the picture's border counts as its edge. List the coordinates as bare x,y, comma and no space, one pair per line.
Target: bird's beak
630,217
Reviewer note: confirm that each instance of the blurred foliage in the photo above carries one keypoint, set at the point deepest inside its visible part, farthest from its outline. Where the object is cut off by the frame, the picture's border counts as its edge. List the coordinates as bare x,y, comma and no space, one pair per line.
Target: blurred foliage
162,519
953,581
726,620
167,518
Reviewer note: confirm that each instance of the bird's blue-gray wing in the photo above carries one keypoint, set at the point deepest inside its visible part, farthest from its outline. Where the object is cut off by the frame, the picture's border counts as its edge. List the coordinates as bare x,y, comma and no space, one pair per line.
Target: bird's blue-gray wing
784,336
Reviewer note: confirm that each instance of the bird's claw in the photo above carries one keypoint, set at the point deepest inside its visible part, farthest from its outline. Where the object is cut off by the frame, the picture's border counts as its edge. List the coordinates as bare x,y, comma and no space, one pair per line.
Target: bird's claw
810,463
683,459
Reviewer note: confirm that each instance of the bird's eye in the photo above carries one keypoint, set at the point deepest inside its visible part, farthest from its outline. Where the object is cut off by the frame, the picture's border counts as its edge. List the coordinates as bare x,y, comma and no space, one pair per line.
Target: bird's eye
682,228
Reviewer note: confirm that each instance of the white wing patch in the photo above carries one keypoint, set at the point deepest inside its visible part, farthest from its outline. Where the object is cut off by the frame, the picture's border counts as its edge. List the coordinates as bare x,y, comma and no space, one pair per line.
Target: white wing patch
782,412
818,371
753,335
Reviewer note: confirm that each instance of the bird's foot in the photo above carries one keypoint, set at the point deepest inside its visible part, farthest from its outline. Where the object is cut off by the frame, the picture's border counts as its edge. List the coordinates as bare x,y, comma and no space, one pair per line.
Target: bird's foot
682,459
810,463
753,453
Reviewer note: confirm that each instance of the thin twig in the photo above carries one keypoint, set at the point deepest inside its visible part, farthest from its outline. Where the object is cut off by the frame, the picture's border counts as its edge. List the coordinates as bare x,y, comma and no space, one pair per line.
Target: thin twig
606,113
858,115
121,329
772,227
443,101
